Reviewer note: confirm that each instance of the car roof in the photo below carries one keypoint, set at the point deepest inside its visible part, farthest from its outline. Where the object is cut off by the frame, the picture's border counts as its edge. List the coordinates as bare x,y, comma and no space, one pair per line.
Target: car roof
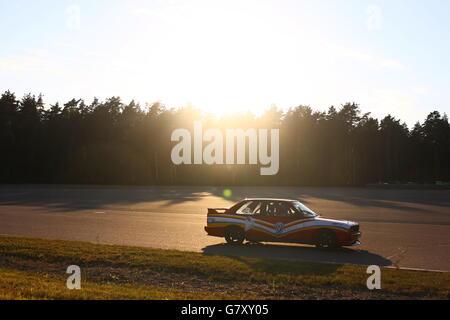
269,199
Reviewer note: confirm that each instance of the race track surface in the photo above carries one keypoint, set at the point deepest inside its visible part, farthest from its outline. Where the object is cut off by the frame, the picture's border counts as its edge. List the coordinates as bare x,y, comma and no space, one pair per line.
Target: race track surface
405,228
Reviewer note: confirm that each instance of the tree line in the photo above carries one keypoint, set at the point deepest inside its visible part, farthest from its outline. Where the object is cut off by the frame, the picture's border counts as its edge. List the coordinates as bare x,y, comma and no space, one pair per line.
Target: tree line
112,142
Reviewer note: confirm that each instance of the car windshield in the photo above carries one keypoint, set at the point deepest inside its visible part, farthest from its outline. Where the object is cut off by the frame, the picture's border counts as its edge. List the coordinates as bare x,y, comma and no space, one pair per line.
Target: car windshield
304,209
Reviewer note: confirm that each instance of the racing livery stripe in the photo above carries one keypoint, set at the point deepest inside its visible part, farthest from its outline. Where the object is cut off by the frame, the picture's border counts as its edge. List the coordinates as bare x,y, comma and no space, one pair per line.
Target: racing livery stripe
297,222
269,228
279,236
274,234
265,223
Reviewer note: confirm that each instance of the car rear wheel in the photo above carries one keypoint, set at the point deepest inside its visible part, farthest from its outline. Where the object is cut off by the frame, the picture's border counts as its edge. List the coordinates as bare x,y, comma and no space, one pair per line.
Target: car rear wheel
234,235
326,239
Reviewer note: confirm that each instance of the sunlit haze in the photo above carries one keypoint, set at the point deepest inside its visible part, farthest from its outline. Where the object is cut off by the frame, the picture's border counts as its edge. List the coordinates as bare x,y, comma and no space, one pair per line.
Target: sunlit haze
226,56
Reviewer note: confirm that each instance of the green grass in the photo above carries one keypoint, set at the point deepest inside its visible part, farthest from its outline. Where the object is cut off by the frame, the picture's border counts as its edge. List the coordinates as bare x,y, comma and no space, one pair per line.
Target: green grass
35,269
19,285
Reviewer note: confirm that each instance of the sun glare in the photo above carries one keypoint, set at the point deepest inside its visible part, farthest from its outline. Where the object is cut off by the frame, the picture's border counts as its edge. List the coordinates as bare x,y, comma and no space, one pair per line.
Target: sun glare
239,65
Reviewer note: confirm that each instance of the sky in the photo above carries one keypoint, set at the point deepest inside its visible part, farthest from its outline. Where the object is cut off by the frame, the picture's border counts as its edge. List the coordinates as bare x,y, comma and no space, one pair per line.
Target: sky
391,57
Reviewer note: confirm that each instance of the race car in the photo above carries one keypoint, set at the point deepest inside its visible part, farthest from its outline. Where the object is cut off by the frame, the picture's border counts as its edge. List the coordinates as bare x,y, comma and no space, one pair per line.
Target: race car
279,220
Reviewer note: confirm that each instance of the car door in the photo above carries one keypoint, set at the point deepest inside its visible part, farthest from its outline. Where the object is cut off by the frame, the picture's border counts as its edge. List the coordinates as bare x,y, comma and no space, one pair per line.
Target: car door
245,214
270,220
294,226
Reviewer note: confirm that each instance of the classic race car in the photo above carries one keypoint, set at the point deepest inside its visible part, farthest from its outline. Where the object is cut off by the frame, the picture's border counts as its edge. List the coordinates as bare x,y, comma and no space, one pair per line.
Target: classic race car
279,220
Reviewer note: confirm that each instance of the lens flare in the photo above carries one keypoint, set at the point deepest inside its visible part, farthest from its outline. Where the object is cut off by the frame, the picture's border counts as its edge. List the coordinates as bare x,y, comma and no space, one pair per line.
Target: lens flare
227,193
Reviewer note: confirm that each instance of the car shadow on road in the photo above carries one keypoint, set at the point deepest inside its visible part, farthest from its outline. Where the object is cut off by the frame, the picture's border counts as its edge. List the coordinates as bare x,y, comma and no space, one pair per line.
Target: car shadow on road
298,252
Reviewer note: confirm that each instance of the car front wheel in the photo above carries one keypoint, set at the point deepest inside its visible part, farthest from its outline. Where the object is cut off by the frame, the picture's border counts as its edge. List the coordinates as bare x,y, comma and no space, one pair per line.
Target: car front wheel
326,239
234,236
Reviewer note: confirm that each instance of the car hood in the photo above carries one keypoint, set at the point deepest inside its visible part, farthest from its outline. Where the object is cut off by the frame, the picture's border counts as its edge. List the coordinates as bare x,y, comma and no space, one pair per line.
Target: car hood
334,222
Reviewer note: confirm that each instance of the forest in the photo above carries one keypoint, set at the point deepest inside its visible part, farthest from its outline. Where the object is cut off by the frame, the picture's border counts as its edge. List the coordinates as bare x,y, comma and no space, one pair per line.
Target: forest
117,143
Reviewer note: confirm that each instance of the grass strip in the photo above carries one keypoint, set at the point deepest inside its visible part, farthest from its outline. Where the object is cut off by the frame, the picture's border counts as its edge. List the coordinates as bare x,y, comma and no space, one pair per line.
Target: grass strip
35,269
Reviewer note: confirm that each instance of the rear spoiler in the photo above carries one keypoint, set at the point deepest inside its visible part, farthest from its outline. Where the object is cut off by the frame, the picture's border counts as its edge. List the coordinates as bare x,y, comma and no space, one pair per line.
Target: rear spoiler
217,210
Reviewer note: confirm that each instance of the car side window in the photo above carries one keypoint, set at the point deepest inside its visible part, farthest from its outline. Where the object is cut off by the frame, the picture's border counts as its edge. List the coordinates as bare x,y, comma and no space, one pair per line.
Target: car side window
270,209
249,208
262,209
281,209
275,209
292,212
258,209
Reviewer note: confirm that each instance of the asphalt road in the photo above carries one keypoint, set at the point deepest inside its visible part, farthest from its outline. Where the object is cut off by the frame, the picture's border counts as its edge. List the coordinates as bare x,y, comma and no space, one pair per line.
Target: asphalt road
406,228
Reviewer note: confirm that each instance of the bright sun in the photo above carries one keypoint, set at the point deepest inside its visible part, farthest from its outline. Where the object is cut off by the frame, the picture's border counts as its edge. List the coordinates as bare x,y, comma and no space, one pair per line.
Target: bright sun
229,66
